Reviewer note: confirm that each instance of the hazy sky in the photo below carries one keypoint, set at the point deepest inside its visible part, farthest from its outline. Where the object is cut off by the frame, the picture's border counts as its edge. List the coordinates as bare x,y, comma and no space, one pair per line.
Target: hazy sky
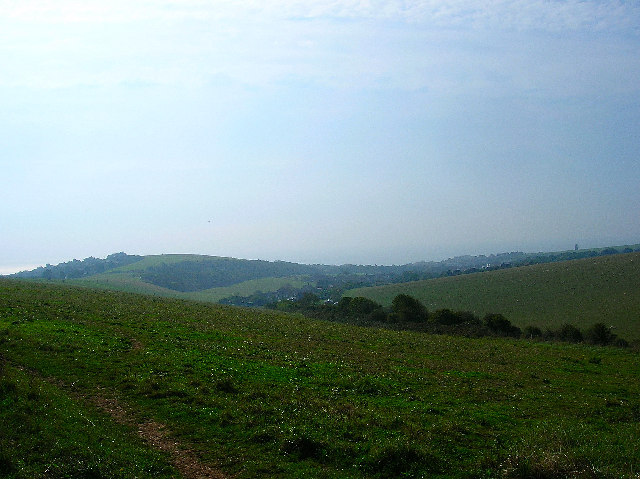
317,131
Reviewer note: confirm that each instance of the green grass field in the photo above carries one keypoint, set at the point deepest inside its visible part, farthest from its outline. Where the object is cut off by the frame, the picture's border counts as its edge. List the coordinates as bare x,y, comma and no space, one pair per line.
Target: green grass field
246,288
263,394
46,433
131,284
160,259
122,281
582,292
127,278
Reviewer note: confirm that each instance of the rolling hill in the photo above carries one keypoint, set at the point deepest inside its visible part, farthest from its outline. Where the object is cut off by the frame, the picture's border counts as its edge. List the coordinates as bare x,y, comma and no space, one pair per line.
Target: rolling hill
257,282
200,277
108,384
204,278
582,292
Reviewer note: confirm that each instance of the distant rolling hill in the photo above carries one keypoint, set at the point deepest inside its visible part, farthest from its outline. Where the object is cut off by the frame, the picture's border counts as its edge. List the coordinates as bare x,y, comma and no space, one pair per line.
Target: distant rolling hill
199,277
544,294
582,292
248,282
213,278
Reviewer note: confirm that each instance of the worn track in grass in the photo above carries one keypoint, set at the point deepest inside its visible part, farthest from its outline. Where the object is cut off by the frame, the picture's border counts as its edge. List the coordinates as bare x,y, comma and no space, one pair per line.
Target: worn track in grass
158,436
154,433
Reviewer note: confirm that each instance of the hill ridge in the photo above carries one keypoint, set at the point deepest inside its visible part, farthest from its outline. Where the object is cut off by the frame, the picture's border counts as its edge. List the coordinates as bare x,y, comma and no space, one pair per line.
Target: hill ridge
255,282
583,291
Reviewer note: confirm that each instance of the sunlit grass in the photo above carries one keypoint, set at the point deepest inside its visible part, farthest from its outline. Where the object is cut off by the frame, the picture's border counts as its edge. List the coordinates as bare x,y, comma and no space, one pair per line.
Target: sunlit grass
265,394
583,292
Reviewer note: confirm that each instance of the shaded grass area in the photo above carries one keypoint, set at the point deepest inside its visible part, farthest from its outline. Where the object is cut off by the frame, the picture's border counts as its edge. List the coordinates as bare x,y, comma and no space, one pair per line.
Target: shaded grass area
581,292
45,433
122,281
247,288
266,394
118,281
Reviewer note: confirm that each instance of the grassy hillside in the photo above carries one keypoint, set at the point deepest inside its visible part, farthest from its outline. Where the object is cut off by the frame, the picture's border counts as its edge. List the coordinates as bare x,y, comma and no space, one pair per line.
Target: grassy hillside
123,281
141,277
159,260
250,393
46,432
117,281
602,289
247,288
259,283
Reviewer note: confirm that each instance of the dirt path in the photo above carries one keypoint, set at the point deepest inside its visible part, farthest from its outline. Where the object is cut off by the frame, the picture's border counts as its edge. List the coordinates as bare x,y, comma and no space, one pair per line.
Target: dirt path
155,434
158,436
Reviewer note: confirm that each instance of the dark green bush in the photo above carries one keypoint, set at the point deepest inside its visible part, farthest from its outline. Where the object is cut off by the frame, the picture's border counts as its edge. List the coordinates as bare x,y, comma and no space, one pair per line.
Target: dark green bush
308,300
531,332
405,308
358,306
377,315
569,333
620,342
500,325
600,334
449,317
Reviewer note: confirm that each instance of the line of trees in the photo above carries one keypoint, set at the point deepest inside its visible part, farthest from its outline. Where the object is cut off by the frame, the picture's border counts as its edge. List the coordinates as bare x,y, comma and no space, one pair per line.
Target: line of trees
407,312
79,269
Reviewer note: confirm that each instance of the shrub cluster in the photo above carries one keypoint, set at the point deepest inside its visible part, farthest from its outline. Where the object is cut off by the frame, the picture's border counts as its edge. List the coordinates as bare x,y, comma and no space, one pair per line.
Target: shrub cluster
598,334
407,312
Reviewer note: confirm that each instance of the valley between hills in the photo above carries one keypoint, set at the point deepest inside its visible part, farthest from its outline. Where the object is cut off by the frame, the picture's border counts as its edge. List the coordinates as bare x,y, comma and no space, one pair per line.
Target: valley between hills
98,380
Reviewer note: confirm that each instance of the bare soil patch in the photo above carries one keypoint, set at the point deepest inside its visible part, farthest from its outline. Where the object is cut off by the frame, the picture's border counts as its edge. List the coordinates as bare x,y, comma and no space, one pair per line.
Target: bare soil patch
158,436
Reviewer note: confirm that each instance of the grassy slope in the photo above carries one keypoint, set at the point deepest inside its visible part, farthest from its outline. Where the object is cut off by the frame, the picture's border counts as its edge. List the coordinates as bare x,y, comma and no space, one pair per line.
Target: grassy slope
581,292
159,259
130,284
245,288
262,394
122,281
127,278
46,433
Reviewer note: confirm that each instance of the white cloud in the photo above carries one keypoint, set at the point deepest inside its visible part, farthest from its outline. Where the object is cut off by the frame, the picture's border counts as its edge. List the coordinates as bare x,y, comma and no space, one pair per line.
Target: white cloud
500,14
503,14
445,47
